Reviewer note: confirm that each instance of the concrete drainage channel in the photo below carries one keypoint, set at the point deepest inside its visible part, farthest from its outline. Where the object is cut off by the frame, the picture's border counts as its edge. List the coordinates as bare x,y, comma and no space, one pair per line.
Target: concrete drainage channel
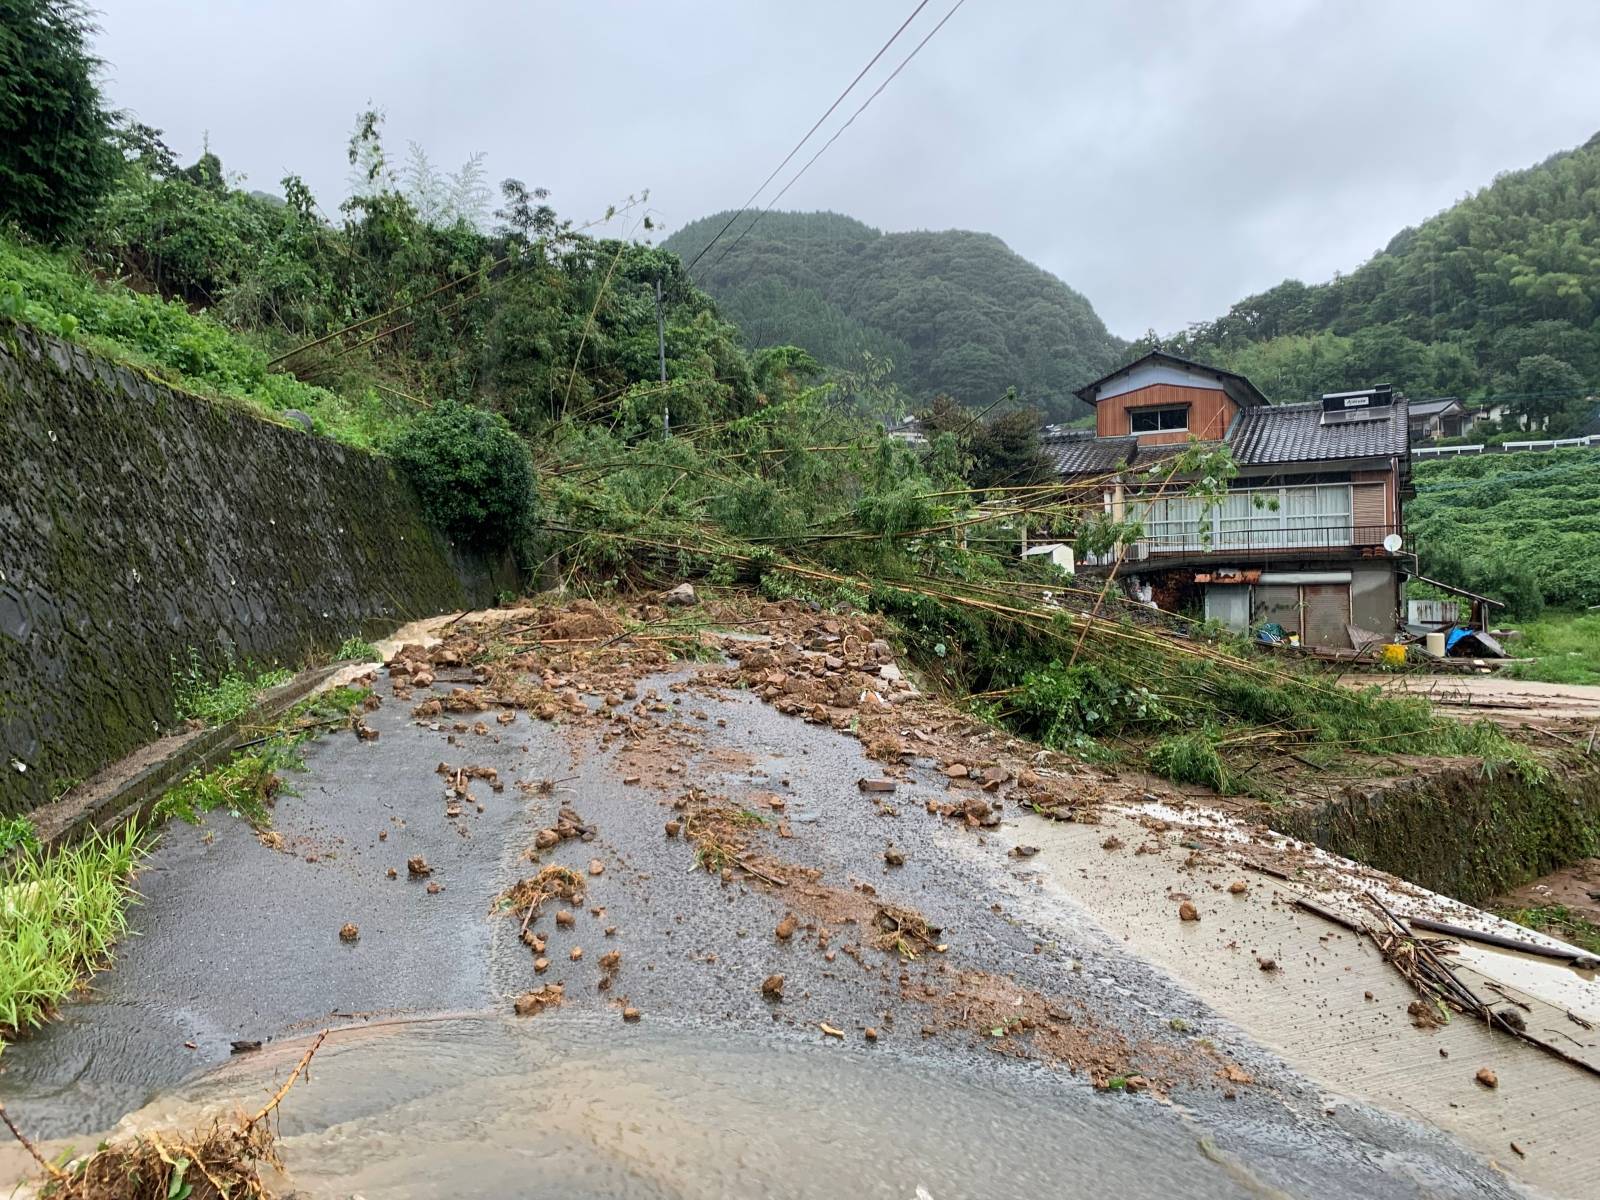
133,785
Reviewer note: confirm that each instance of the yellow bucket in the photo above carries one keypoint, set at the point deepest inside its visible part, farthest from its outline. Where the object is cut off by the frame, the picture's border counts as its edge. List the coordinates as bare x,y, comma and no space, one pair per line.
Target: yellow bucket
1393,655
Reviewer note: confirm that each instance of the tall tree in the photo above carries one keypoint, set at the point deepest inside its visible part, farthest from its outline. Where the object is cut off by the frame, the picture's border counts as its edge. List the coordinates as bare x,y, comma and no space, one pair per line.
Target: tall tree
57,156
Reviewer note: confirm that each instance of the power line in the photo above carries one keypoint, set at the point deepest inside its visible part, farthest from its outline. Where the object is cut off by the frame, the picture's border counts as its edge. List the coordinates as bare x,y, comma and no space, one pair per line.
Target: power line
860,75
836,134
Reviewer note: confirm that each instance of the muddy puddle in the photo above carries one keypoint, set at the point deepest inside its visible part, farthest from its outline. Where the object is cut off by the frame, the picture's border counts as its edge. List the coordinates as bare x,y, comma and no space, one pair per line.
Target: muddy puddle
564,1106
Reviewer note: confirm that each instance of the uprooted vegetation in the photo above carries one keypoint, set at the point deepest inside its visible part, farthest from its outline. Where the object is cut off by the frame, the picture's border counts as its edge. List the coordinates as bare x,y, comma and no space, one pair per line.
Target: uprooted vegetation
224,1160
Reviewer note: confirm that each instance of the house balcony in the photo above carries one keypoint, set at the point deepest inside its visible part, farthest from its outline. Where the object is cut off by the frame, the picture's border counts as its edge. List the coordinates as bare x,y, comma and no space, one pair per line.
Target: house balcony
1341,542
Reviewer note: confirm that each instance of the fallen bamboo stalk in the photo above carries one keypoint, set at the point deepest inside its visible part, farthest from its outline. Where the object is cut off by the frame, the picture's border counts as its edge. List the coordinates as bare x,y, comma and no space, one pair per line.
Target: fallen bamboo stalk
1327,914
1446,984
1576,959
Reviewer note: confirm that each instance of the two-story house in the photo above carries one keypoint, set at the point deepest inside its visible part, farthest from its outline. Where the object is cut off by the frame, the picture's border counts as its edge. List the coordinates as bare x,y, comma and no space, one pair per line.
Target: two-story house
1309,536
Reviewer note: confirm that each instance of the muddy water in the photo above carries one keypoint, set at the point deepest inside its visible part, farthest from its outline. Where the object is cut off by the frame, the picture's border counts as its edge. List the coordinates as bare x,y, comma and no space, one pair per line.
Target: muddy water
560,1106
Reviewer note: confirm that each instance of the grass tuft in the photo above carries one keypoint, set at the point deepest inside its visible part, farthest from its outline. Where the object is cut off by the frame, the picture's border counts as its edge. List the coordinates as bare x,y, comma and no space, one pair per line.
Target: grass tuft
61,912
226,698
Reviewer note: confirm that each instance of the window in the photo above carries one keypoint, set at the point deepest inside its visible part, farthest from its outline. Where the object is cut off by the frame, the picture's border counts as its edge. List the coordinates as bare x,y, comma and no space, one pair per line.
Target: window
1159,420
1295,517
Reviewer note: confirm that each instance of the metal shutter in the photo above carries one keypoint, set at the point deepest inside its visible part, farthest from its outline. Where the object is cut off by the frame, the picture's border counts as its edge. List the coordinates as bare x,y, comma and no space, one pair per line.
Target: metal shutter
1327,615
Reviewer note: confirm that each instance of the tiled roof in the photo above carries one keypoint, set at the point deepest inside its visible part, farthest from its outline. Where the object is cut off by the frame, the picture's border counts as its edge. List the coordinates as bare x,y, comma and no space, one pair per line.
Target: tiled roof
1287,433
1087,455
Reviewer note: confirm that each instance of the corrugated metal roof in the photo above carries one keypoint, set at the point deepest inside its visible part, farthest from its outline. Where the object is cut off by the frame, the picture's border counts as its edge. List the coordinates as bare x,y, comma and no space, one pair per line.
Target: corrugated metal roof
1084,456
1287,433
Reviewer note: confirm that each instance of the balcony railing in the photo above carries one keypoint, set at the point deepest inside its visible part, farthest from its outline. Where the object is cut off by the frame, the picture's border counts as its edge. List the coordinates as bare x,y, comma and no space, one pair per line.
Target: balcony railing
1343,538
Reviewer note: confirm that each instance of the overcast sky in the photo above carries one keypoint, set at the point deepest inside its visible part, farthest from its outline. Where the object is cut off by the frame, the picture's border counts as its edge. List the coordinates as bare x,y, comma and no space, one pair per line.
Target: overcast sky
1164,157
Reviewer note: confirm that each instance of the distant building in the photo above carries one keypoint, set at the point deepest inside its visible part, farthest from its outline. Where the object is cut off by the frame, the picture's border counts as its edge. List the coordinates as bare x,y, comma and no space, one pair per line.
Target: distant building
1428,419
1310,534
909,431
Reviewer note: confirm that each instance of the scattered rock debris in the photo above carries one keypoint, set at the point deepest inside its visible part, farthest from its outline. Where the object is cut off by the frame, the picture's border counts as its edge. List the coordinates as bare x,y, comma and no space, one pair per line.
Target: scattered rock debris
417,867
772,987
349,932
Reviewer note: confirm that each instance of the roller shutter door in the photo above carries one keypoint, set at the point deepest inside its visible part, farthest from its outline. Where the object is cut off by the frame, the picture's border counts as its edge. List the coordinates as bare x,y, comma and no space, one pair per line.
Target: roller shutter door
1326,613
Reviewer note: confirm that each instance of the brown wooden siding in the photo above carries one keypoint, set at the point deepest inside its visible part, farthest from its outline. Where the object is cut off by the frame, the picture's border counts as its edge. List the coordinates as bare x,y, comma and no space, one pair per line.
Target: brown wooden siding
1210,412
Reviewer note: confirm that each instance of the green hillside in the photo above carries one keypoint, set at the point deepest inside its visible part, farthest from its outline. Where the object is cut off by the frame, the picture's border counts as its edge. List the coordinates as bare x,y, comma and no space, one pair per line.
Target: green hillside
957,312
1499,294
1523,527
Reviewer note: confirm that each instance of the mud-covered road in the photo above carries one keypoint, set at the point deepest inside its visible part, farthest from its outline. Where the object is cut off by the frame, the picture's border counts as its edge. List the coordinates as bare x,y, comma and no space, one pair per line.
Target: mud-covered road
921,1034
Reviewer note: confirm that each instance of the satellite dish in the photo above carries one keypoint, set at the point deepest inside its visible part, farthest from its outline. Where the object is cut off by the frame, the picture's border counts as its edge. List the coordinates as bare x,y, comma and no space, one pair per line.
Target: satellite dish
1392,543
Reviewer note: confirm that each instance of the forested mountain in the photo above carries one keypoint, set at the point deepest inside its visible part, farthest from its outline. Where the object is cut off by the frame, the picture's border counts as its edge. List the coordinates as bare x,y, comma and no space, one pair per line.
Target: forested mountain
1499,294
959,313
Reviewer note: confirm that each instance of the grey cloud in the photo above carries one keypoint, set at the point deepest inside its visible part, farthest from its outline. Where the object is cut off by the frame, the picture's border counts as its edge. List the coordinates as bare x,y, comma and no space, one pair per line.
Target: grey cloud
1165,158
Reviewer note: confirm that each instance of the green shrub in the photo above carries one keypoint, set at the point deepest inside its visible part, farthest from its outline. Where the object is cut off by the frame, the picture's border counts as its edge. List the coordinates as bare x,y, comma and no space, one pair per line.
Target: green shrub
199,697
356,649
473,474
1192,758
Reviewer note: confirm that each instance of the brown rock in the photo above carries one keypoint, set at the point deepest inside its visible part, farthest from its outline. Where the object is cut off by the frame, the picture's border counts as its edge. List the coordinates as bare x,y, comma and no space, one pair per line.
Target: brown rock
435,888
350,932
541,965
532,1003
1487,1078
786,927
1238,887
1111,843
545,839
894,857
630,1014
772,987
956,770
575,953
1188,912
392,873
596,867
565,919
673,827
611,960
417,867
870,1034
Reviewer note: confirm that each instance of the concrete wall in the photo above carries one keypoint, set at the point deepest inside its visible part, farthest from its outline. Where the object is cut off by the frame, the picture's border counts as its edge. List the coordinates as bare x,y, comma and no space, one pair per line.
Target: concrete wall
138,522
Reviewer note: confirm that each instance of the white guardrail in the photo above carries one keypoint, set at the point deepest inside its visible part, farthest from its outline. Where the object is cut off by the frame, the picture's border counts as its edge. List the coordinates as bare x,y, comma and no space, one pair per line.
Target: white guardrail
1591,440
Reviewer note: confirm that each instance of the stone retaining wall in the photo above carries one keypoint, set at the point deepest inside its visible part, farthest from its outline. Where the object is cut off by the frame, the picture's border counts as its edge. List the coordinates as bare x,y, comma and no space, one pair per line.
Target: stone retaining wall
138,523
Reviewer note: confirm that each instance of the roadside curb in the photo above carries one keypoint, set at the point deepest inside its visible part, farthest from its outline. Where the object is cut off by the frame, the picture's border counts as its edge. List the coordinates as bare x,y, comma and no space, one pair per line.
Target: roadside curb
137,781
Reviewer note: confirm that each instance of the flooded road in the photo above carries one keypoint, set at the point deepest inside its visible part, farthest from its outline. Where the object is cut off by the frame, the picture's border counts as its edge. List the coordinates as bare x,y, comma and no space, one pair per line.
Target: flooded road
989,1064
561,1106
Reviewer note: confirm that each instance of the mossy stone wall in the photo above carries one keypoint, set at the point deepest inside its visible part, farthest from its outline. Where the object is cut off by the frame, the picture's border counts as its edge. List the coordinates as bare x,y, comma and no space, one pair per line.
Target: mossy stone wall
1461,832
138,522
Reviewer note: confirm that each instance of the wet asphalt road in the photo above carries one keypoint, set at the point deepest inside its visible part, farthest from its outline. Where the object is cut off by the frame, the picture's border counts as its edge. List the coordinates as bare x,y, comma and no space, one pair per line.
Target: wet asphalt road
236,940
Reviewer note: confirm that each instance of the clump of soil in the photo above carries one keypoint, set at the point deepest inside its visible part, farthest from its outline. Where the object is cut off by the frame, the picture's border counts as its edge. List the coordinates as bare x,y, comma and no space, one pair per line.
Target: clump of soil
904,930
1018,1021
531,1004
527,896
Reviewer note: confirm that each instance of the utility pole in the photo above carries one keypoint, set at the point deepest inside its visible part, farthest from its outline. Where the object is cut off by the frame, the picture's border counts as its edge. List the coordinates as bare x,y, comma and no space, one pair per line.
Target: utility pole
661,332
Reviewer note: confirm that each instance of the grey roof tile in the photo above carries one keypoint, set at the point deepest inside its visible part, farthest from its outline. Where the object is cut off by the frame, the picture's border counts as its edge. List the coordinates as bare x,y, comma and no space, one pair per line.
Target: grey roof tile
1090,455
1287,433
